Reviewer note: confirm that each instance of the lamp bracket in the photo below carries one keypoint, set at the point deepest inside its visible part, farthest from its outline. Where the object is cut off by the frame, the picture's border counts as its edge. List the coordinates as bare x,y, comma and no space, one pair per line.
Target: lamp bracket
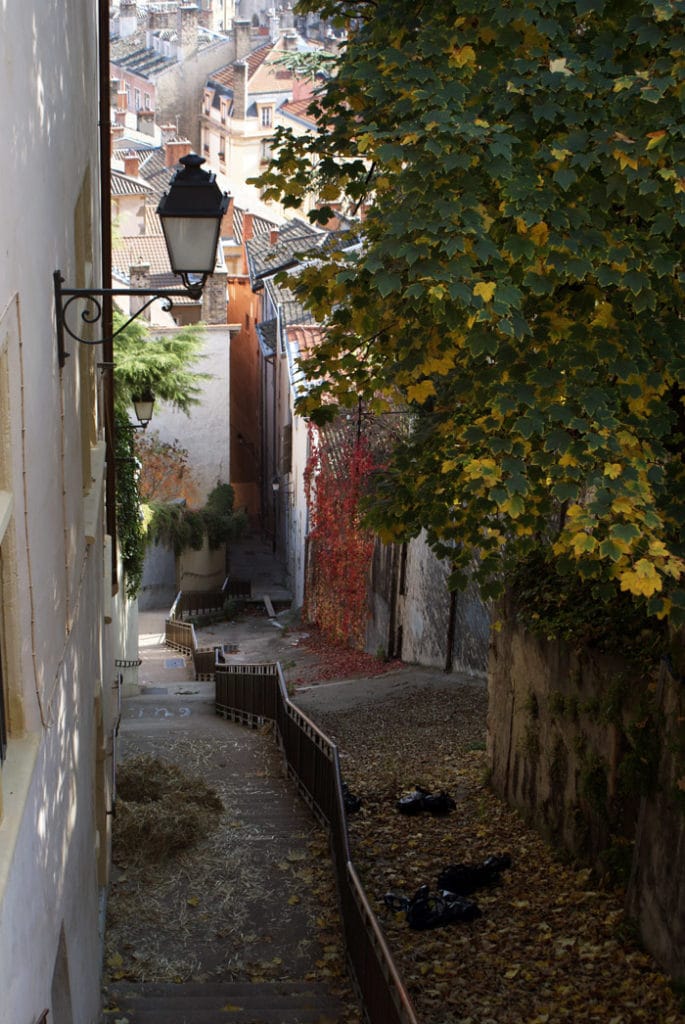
92,314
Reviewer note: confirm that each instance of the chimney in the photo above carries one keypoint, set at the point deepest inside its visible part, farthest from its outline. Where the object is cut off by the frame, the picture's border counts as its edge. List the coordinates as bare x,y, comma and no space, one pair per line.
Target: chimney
173,151
274,25
215,299
290,41
122,97
240,71
169,131
131,164
273,236
242,32
115,134
248,226
146,122
187,31
128,18
288,16
139,277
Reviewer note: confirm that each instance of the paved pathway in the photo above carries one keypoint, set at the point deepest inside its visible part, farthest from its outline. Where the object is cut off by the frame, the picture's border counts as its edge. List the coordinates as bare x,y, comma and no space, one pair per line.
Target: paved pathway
262,962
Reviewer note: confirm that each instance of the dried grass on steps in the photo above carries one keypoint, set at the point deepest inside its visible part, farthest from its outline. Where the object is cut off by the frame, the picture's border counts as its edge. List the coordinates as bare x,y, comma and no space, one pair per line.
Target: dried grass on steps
160,810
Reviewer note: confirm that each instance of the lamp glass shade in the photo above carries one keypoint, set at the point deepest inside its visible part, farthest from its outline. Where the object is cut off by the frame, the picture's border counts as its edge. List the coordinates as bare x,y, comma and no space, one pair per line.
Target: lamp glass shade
191,242
191,213
143,407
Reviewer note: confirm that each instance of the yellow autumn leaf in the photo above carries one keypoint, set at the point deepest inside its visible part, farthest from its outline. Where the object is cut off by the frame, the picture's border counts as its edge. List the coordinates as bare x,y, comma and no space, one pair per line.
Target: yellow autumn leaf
612,469
485,289
604,316
624,160
622,505
568,460
656,139
539,233
583,543
641,579
463,56
420,392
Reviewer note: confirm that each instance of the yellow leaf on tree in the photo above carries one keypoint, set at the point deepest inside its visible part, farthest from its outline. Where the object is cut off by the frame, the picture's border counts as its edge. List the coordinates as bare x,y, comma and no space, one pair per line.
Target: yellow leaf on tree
622,505
420,392
485,289
624,160
641,579
463,56
539,233
612,469
583,543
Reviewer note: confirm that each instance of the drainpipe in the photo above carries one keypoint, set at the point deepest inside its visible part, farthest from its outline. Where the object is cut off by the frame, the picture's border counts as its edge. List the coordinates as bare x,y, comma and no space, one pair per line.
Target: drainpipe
106,243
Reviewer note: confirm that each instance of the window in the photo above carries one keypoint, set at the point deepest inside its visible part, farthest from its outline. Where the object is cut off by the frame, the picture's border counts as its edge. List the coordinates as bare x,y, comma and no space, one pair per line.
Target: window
136,98
224,106
267,117
147,101
265,151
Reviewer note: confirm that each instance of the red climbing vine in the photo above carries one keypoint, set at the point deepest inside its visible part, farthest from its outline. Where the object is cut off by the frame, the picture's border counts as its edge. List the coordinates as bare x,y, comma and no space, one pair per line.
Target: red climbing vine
340,546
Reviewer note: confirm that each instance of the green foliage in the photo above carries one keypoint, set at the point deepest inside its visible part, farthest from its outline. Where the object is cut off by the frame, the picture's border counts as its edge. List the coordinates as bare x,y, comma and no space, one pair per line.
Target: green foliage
130,529
160,365
182,528
560,605
519,287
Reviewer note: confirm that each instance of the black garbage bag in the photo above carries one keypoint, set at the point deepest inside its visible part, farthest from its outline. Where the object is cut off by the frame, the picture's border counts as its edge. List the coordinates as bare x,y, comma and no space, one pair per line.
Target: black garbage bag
429,909
420,800
463,879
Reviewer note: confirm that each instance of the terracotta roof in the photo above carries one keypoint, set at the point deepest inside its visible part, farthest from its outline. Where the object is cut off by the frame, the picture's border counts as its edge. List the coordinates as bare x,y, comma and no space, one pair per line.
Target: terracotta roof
225,76
260,226
297,110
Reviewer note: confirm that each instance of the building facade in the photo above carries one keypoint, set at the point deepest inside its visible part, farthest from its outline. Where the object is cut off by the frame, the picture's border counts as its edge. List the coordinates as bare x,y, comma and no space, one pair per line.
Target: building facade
60,624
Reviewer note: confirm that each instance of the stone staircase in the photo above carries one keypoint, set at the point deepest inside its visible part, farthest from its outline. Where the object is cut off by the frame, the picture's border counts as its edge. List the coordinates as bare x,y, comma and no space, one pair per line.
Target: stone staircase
278,1002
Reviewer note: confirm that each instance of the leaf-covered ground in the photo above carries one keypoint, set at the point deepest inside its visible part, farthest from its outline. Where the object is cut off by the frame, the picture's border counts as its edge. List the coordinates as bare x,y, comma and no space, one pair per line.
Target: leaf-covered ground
551,946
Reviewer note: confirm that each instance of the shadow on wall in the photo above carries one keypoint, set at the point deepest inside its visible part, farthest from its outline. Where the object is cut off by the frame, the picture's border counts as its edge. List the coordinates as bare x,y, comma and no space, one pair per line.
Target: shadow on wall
158,589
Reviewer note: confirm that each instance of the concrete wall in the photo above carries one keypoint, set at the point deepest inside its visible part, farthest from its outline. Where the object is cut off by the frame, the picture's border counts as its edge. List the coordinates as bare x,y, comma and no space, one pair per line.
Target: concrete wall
414,616
56,651
159,586
181,88
592,751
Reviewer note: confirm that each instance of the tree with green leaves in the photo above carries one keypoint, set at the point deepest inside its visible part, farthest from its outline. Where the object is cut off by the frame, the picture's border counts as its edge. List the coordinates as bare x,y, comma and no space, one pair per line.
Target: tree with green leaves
163,367
519,284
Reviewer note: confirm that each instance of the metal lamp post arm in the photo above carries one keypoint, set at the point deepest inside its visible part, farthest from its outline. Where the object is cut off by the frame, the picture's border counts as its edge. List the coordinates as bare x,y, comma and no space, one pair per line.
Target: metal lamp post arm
64,297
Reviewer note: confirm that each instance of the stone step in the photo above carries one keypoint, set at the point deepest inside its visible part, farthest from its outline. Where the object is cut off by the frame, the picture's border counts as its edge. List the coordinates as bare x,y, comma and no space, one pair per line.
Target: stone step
277,1002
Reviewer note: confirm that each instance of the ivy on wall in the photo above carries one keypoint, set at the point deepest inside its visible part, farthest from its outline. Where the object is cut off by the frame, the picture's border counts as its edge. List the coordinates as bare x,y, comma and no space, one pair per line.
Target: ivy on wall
336,479
130,525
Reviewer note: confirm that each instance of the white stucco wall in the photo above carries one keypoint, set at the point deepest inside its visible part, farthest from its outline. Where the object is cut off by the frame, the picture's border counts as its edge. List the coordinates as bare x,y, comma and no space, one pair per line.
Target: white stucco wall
58,656
205,432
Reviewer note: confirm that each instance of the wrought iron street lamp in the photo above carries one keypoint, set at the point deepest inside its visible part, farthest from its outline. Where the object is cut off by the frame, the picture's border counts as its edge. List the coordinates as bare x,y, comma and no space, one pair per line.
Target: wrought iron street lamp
191,213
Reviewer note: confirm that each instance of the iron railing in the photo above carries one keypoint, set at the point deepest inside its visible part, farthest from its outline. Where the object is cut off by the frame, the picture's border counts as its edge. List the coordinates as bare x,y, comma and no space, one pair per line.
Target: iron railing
205,602
252,693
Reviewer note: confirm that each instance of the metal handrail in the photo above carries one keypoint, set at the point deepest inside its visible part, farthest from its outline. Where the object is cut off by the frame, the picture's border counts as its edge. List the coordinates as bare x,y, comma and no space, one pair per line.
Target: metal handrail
313,762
